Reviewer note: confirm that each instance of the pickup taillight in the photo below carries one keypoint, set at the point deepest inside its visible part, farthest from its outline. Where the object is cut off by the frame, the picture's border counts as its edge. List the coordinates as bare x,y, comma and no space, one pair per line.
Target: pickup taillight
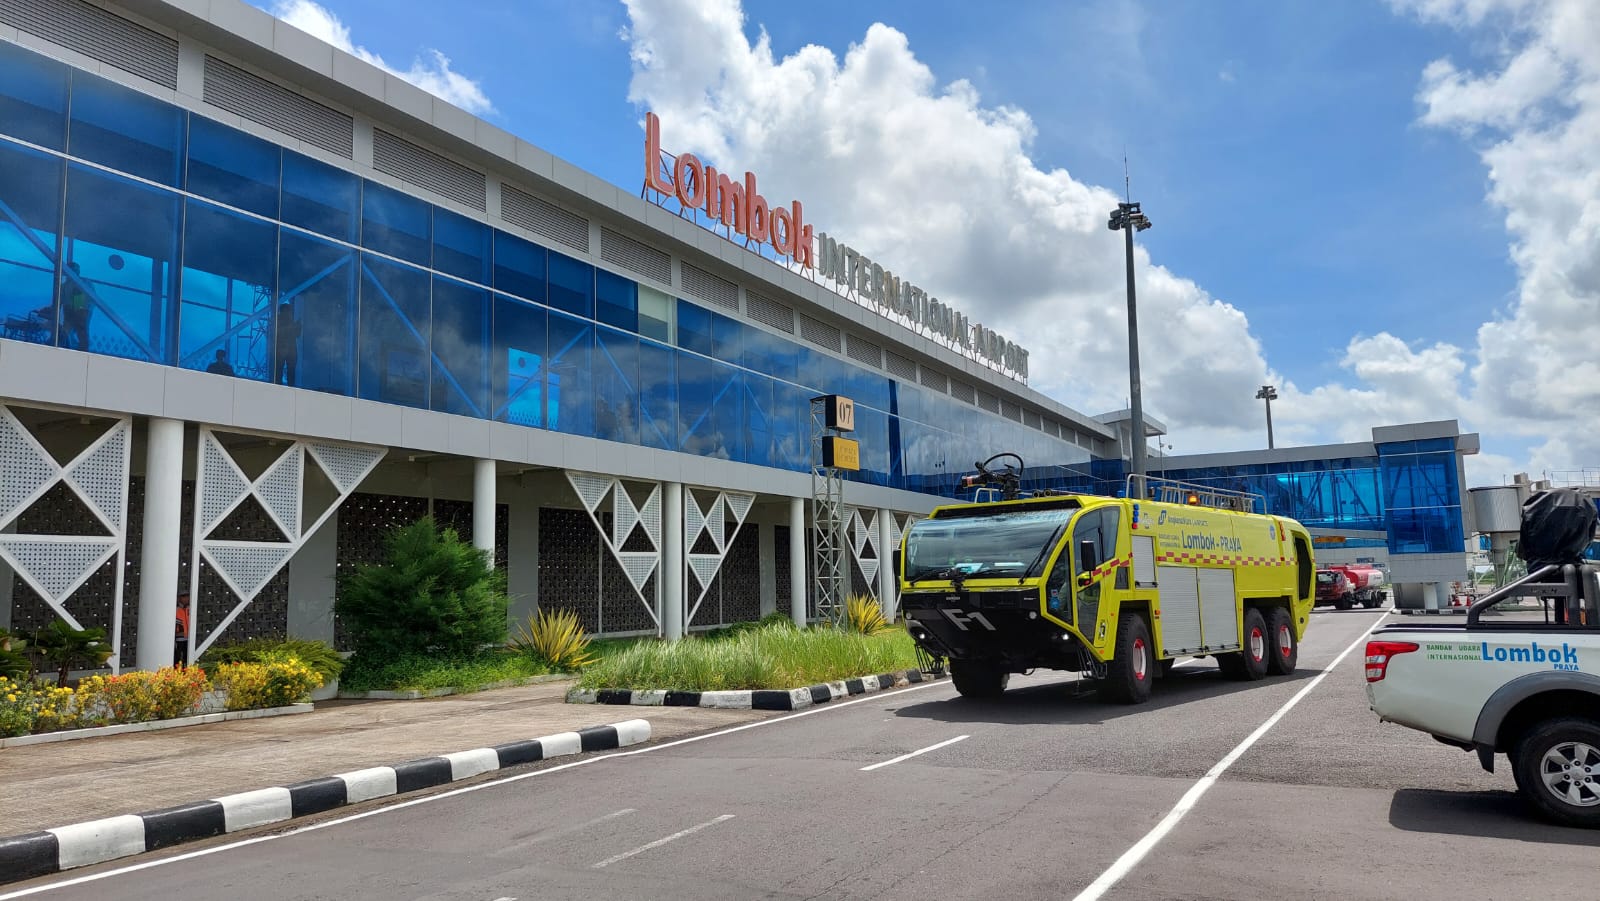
1379,653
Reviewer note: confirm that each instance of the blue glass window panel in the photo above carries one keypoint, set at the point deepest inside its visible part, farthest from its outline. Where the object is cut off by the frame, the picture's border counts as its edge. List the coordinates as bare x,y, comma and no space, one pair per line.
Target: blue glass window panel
33,97
461,246
760,412
616,380
694,328
658,396
396,223
769,353
230,262
519,267
710,408
229,166
30,213
127,262
791,426
1426,531
569,395
517,367
617,300
126,130
1420,480
460,348
571,285
314,325
394,361
321,198
727,339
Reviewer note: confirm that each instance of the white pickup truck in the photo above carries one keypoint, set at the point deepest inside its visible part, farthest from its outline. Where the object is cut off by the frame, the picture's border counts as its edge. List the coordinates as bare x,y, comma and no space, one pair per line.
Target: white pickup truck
1528,688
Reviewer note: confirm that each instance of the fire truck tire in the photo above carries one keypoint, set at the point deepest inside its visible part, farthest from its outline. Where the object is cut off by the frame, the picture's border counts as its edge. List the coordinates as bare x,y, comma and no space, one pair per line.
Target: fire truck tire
1250,664
978,678
1553,763
1133,665
1283,649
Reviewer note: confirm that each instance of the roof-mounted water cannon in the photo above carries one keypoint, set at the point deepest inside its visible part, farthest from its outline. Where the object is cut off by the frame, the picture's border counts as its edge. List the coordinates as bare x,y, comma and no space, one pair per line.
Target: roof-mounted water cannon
1007,480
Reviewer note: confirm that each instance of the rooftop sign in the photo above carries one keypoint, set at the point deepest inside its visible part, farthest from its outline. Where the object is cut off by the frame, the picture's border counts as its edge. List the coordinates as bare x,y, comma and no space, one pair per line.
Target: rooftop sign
738,206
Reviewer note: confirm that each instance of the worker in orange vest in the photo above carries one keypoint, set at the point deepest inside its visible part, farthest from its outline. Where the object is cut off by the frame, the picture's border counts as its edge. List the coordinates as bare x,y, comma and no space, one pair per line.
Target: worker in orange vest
180,649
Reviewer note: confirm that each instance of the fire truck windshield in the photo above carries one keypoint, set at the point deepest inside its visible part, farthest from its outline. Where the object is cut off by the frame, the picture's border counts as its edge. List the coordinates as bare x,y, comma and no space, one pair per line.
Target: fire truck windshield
1013,544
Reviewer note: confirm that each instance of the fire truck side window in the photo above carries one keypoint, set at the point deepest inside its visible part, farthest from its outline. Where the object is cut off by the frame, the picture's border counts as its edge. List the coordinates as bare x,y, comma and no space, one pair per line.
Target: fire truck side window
1100,528
1302,554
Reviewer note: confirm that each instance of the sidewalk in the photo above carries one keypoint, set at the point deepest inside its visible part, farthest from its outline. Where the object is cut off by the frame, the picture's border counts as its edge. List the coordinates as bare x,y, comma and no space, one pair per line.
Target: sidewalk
43,786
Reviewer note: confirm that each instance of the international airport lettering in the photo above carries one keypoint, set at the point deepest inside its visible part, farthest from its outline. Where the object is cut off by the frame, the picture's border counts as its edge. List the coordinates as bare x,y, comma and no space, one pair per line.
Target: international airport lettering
739,205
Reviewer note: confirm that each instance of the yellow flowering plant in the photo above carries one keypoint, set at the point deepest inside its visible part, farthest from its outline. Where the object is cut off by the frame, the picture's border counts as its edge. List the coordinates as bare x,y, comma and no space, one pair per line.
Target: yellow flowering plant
139,697
277,682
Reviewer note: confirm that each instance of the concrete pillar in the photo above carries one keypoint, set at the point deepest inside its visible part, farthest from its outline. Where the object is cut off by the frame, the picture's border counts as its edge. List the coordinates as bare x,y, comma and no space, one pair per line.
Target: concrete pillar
158,561
797,561
312,574
672,608
483,478
522,567
768,565
888,579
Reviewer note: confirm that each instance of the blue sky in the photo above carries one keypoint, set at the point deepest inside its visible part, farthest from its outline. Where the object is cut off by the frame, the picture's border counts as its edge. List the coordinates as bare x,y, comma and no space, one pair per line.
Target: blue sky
1306,170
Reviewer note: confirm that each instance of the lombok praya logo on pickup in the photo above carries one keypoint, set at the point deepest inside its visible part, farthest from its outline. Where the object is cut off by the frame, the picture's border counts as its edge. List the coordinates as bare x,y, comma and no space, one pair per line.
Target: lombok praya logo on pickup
1563,658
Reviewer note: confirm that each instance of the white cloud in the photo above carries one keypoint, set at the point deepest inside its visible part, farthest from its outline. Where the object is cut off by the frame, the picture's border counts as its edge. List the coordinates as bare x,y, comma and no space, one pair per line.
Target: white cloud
430,72
1536,105
943,189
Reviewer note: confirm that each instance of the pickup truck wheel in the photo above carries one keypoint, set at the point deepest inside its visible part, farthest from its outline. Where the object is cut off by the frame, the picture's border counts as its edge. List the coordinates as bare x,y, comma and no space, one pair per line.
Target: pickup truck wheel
1133,664
1282,647
1558,770
978,678
1249,664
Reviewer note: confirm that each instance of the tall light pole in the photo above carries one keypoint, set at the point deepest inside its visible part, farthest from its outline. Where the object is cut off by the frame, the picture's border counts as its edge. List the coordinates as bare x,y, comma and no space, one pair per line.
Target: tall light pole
1128,218
1268,394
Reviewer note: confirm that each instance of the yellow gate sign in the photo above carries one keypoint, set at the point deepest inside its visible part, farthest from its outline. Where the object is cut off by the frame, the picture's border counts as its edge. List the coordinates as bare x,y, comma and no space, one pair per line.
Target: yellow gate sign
841,453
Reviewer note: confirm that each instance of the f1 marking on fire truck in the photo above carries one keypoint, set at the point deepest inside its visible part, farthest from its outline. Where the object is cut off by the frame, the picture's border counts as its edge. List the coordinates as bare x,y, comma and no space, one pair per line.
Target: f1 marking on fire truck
960,619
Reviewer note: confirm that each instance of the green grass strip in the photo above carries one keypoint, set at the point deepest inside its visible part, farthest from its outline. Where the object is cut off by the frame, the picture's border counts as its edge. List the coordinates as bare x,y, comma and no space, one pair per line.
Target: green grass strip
770,657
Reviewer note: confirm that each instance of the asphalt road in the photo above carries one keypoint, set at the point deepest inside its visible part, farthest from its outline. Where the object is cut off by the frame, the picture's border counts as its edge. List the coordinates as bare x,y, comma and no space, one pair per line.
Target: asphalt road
1036,795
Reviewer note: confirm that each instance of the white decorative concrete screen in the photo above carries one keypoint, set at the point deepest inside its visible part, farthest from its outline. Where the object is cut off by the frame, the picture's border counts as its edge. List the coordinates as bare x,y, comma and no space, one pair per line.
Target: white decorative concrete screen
56,566
712,521
863,534
221,486
592,490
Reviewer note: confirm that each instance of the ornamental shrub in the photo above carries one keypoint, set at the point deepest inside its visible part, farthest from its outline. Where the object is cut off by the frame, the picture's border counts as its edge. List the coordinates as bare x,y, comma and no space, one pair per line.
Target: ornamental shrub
319,655
276,683
139,697
555,638
432,594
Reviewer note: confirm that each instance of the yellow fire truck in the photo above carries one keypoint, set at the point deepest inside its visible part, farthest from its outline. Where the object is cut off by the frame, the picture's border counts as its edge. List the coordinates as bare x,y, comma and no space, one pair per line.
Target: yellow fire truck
1117,589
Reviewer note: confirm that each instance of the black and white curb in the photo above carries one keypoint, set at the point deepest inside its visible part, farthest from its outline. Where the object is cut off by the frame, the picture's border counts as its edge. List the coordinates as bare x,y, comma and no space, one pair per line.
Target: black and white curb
96,841
756,699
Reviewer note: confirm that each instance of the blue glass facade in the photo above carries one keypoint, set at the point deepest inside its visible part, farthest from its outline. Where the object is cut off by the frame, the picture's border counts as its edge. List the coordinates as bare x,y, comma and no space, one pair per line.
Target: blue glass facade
133,228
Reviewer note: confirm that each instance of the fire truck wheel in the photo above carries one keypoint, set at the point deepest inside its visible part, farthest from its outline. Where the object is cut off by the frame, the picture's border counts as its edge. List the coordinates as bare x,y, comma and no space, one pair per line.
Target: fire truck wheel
1133,664
1249,664
1283,649
978,678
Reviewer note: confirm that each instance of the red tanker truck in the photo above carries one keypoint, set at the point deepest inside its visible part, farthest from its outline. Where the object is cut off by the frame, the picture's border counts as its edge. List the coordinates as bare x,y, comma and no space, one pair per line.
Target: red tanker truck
1345,585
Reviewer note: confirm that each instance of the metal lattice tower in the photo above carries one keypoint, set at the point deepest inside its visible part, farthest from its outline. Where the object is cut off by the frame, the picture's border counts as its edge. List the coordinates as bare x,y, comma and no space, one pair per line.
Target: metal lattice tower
827,523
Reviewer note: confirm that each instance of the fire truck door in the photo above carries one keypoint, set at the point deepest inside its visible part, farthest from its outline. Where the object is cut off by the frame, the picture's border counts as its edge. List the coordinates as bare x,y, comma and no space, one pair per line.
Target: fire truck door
1094,549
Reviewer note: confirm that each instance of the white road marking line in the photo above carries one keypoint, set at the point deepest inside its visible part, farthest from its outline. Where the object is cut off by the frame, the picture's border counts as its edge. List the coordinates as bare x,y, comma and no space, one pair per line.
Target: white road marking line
895,760
466,789
661,841
1134,855
506,898
549,834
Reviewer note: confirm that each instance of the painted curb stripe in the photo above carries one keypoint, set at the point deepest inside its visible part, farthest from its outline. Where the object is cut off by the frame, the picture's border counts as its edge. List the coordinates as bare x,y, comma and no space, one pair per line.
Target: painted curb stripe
36,854
519,752
424,773
820,694
755,699
615,696
27,856
682,699
184,823
317,795
598,738
768,699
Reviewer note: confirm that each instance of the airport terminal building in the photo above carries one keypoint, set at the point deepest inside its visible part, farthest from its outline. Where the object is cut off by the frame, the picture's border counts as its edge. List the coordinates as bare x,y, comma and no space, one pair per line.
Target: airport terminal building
262,300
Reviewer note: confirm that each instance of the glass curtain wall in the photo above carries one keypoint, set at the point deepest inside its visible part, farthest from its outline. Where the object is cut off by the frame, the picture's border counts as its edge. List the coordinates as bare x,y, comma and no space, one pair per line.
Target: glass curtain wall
132,228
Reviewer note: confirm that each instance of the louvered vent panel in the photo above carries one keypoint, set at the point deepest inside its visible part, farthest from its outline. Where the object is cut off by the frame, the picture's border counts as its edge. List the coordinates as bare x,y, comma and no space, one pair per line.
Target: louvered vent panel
769,311
98,33
422,167
938,381
819,333
900,366
989,402
1010,410
1054,428
708,287
963,391
635,256
259,100
1031,418
544,218
864,351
